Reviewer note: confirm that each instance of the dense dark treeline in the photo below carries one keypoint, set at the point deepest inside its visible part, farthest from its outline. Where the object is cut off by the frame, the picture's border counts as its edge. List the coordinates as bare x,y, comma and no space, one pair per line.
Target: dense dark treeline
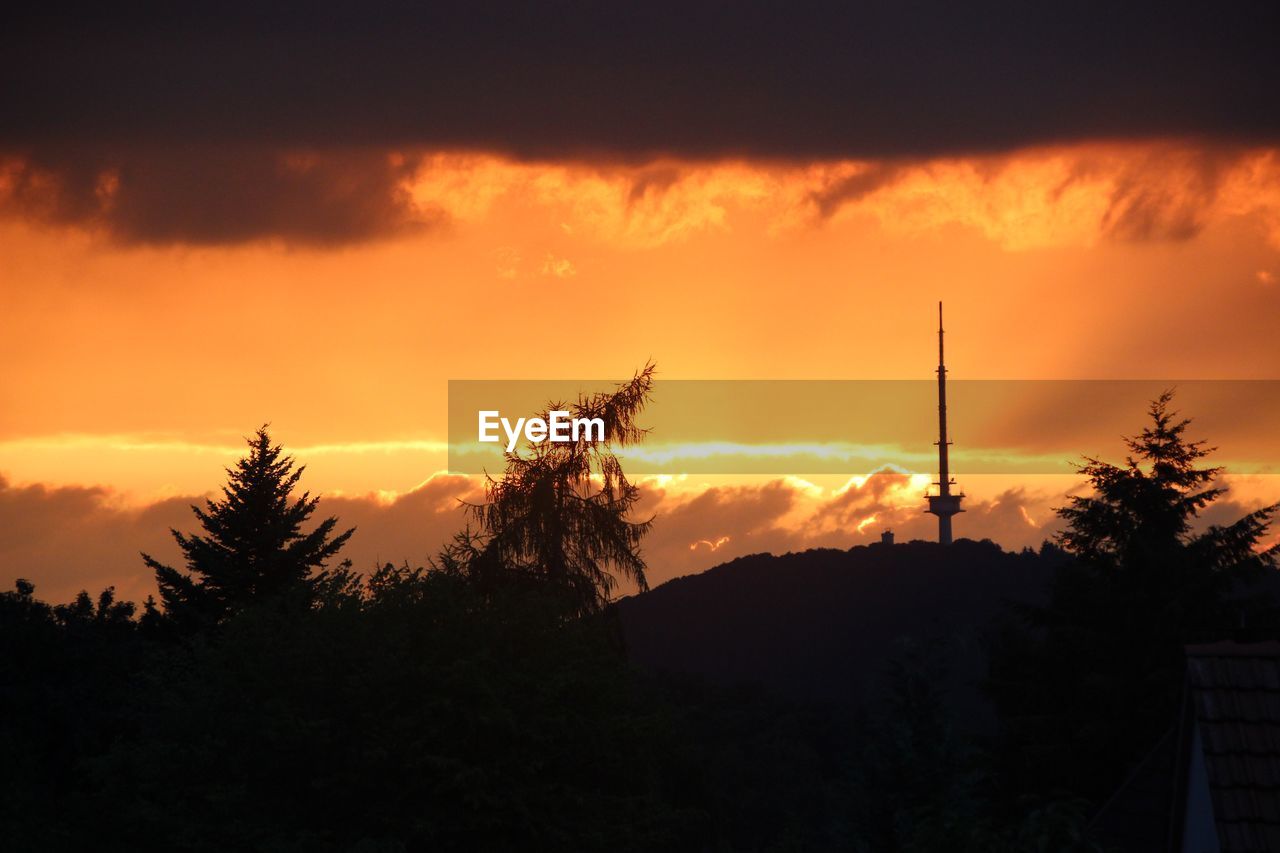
1087,684
486,702
419,713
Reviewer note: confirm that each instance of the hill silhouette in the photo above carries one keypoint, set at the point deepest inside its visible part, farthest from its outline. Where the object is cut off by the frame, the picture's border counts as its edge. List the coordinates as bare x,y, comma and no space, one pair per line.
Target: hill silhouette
822,625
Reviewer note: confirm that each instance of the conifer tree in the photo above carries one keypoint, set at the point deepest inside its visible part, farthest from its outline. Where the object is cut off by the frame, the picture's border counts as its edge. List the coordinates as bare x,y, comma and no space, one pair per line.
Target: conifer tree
561,513
253,546
1137,525
1096,682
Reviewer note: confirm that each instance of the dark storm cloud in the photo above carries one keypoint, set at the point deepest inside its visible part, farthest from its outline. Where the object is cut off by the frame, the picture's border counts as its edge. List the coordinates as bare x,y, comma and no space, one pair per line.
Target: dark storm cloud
692,79
1166,194
208,195
855,187
166,123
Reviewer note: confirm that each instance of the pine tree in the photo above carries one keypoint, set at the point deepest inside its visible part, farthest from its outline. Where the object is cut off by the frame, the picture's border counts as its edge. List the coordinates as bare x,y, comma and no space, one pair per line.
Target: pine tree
1136,527
1096,682
561,512
253,547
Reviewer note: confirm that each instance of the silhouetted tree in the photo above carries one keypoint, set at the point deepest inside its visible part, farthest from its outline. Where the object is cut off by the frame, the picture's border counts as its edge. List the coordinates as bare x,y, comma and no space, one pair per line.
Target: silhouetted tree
1095,683
254,546
106,611
1137,524
67,676
561,512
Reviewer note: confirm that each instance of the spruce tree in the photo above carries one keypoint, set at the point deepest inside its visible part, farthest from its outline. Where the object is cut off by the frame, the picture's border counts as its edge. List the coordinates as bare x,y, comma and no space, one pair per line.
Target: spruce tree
1136,532
253,547
1093,686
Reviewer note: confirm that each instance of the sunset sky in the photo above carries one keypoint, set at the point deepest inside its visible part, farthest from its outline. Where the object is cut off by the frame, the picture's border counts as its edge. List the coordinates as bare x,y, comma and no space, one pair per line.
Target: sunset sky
215,221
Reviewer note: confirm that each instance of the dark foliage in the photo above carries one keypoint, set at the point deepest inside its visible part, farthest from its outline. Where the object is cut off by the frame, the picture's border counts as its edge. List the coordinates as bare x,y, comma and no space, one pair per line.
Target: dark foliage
560,514
67,674
414,711
490,701
253,548
410,713
1088,684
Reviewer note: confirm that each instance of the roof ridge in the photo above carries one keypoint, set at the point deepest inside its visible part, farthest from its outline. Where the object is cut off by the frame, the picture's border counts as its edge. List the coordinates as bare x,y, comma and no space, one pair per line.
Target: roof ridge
1230,648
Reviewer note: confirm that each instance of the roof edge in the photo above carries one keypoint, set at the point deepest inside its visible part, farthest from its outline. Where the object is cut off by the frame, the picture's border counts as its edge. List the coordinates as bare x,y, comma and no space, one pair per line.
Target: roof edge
1230,648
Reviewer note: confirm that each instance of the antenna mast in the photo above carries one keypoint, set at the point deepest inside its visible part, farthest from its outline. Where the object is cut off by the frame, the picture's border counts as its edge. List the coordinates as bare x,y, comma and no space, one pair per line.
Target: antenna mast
944,504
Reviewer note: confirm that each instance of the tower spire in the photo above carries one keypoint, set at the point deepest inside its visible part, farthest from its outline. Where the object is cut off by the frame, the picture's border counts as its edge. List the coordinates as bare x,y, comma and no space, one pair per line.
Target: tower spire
944,504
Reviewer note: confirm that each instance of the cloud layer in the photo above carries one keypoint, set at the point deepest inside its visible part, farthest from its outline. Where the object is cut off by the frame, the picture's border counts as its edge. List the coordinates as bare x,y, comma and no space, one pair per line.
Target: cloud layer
208,195
68,538
220,123
1035,198
694,79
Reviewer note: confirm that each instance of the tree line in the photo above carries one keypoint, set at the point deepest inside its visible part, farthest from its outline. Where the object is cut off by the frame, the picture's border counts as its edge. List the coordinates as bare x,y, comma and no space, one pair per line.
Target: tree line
274,698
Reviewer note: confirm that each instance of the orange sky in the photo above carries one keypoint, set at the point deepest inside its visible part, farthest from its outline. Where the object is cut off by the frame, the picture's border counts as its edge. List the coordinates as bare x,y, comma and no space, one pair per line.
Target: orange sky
132,370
